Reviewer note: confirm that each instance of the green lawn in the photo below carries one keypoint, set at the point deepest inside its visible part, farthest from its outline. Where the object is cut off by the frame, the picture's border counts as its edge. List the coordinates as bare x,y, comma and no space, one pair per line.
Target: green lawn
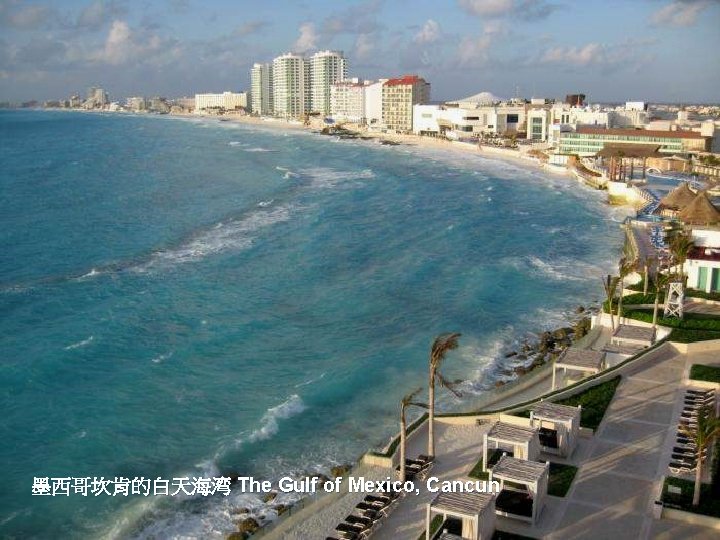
561,477
700,372
709,501
594,402
691,321
477,471
683,335
434,526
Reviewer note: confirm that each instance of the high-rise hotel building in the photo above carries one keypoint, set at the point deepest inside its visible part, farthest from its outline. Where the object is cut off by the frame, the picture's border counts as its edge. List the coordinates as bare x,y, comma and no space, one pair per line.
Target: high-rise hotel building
326,68
261,89
293,86
290,86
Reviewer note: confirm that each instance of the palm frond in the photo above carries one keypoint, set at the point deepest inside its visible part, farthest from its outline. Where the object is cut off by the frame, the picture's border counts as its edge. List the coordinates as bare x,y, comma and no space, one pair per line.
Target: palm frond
447,384
440,347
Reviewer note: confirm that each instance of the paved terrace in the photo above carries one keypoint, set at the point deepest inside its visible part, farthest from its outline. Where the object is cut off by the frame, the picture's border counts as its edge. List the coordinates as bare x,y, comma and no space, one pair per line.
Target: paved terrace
619,474
620,468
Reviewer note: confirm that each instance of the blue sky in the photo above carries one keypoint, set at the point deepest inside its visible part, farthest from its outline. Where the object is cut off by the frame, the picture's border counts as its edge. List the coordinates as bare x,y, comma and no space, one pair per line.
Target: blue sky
611,50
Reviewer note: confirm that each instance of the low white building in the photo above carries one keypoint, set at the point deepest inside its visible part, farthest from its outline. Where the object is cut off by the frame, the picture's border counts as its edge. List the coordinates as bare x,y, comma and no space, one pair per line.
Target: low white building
347,100
373,102
702,266
228,101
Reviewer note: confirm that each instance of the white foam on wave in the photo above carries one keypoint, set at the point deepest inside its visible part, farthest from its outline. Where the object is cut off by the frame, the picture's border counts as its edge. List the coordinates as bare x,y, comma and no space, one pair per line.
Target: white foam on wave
258,149
325,177
310,381
236,143
79,344
94,272
161,357
264,204
560,269
269,422
235,235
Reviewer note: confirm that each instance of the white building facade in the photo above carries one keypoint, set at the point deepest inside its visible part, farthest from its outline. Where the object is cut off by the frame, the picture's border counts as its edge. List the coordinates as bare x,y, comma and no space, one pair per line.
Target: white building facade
326,68
290,86
228,101
373,103
261,89
398,98
347,101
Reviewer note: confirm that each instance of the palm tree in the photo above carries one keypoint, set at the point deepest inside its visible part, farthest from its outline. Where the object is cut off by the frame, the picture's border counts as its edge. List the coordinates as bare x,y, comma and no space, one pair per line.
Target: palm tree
407,401
680,246
703,435
610,284
625,268
659,281
440,347
649,262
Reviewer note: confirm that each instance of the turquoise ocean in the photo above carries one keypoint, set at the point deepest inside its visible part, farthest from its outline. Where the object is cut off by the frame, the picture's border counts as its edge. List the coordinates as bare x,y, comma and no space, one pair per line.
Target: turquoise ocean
190,296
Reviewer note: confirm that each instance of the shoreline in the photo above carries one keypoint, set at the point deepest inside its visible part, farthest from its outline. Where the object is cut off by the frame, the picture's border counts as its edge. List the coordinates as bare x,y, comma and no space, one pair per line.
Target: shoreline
304,508
413,141
390,139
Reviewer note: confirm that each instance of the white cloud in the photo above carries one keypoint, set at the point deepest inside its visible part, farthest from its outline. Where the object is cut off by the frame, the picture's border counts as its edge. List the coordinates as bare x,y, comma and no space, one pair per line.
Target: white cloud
99,12
592,53
308,38
490,8
529,10
364,47
15,15
429,33
679,13
123,45
476,49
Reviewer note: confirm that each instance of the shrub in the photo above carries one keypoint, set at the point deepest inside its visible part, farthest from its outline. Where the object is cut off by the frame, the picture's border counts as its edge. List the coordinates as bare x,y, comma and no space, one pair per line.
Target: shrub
700,372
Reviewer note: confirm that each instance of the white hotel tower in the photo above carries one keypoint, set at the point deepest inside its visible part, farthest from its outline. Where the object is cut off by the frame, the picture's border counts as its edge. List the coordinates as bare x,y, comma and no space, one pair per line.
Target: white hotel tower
261,86
290,86
326,68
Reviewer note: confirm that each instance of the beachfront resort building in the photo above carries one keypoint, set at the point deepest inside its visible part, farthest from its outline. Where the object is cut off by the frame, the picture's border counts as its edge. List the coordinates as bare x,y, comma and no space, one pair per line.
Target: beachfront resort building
588,140
294,86
466,122
326,68
261,89
347,100
373,102
290,86
227,101
398,98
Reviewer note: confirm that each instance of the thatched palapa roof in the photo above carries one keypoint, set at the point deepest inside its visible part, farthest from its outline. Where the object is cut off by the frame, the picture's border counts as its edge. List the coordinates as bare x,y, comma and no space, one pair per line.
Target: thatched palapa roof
700,211
679,197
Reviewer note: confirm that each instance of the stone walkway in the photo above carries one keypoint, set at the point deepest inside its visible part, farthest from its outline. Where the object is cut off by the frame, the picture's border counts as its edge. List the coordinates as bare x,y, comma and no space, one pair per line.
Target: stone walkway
619,479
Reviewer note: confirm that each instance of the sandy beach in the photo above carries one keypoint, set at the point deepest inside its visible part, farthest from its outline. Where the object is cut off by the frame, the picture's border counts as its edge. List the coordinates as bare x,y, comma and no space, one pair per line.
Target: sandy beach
408,139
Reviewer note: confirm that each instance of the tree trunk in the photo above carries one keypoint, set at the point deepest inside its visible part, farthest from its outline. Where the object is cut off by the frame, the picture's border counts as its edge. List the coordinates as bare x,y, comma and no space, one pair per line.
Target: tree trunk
655,309
619,308
431,413
645,281
698,479
403,428
610,309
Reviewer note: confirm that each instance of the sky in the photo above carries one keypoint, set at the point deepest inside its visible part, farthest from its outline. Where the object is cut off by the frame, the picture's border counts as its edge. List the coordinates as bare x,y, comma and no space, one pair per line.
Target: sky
611,50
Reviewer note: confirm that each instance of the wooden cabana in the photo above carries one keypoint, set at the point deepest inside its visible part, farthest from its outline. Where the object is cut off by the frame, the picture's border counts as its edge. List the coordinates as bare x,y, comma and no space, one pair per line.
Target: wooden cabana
518,441
466,516
633,336
621,155
523,488
558,427
583,360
